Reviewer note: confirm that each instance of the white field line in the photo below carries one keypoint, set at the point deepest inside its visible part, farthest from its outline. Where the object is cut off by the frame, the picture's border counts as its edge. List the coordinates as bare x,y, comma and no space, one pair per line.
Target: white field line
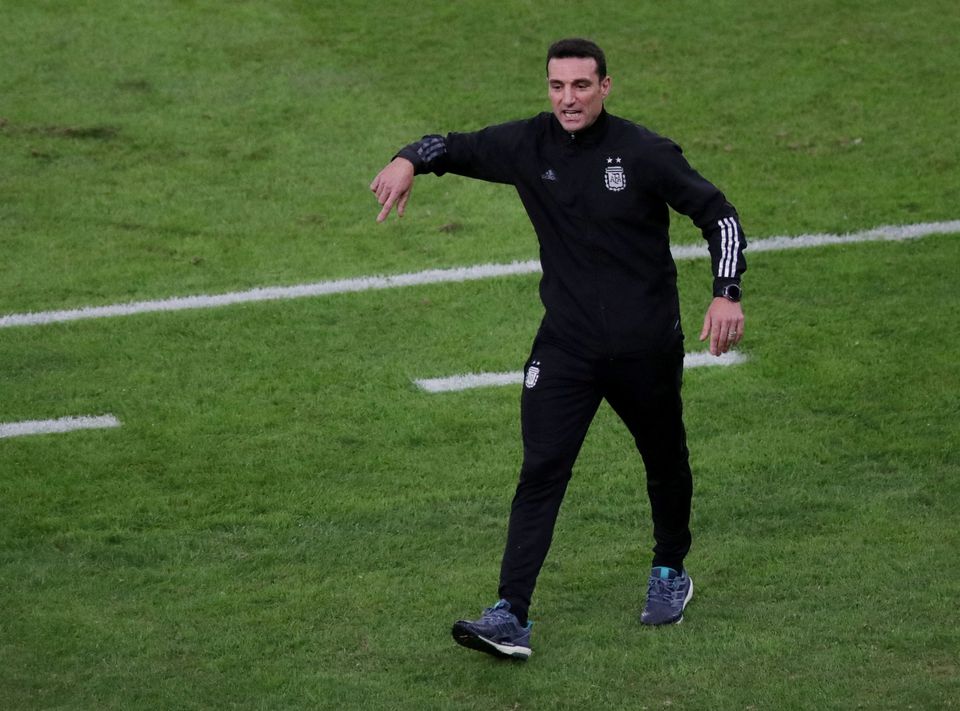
469,381
274,293
439,276
63,424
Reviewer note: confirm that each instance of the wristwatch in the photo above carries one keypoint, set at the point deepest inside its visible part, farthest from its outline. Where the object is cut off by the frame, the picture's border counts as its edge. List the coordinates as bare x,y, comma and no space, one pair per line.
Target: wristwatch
733,292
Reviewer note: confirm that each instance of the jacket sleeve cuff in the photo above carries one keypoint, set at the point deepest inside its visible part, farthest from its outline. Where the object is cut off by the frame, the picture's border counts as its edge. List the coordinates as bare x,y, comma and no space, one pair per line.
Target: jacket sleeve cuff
720,282
410,153
427,154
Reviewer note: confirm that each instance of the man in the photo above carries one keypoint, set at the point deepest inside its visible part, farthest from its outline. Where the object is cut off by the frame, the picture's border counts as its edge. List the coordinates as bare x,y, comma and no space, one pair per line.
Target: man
597,189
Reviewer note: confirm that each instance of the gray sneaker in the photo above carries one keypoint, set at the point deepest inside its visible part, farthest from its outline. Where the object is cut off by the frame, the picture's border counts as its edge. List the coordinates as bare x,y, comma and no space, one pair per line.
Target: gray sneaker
497,632
668,593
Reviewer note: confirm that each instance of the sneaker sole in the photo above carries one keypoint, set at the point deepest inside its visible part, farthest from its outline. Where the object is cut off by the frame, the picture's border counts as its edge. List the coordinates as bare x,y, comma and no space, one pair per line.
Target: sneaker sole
465,638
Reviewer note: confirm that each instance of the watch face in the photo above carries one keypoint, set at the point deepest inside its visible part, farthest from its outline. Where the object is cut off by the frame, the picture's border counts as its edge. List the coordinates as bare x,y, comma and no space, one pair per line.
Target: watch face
732,292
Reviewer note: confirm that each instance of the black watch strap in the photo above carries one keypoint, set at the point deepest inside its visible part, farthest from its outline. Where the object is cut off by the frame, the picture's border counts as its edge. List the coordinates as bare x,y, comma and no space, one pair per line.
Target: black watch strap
733,292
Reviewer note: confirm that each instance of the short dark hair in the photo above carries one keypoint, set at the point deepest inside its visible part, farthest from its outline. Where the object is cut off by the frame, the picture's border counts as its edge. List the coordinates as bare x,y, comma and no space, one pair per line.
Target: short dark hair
578,47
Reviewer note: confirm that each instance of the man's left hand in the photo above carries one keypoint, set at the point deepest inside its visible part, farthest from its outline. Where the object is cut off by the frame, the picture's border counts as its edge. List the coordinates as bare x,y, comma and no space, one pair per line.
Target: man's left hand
723,324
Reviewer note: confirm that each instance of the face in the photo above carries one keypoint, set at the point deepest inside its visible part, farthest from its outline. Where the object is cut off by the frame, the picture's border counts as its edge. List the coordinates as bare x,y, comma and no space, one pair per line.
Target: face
576,91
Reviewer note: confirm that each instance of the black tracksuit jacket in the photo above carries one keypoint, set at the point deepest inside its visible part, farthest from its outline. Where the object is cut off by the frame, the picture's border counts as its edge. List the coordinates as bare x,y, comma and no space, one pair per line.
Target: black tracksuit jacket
598,200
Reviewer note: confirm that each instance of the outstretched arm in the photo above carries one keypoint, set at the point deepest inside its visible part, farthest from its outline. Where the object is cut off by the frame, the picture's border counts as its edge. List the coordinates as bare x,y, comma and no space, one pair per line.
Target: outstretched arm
392,186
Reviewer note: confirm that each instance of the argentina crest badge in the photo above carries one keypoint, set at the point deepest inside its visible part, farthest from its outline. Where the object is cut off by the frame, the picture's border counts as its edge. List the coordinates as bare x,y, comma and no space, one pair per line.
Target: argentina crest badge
533,374
614,177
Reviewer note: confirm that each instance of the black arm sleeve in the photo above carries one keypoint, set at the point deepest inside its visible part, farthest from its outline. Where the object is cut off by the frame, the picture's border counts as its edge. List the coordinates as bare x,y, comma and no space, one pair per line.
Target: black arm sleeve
489,154
689,193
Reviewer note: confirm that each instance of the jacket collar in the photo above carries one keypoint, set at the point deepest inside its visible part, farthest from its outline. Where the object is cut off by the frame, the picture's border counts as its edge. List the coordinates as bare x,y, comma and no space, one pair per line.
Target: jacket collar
590,136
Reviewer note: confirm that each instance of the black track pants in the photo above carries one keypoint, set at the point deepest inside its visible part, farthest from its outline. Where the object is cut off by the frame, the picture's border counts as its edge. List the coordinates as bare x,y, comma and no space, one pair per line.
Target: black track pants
561,394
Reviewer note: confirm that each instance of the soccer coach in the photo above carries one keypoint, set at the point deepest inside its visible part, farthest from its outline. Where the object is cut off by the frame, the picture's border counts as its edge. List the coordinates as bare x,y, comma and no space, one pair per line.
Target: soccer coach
597,189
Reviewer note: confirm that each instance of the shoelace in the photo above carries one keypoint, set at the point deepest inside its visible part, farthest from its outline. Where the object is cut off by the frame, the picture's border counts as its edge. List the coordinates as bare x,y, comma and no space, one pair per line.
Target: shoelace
661,590
497,613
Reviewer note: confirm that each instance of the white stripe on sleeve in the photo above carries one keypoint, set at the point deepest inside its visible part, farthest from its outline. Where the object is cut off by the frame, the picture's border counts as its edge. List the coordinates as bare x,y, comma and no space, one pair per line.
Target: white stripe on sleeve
724,246
729,244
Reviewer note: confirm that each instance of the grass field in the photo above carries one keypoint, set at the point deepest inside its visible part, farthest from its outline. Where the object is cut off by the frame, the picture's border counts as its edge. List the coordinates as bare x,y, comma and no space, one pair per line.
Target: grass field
284,521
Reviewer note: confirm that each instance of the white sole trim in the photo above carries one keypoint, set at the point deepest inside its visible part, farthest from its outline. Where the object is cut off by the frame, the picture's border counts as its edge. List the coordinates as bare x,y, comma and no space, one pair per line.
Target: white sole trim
511,650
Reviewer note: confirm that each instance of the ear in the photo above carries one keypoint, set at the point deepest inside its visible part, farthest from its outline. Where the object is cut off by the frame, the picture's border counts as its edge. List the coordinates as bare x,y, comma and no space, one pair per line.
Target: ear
605,84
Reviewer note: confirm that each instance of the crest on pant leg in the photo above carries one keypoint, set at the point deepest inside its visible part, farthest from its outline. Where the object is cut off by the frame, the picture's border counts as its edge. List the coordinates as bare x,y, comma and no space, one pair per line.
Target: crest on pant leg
533,374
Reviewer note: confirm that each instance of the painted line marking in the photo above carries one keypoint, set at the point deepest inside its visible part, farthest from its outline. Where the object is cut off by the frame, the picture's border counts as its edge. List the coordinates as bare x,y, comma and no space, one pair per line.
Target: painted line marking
62,424
469,381
275,293
440,276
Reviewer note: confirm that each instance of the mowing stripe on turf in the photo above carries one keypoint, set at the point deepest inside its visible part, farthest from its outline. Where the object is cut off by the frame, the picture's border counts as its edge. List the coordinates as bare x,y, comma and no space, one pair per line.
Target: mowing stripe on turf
438,276
62,424
469,381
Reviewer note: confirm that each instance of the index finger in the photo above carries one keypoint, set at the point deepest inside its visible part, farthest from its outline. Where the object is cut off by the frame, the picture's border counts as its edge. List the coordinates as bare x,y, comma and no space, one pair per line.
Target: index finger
387,206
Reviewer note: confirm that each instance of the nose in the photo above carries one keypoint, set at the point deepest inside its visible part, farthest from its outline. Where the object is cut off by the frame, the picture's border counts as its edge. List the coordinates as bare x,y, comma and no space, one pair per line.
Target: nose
568,97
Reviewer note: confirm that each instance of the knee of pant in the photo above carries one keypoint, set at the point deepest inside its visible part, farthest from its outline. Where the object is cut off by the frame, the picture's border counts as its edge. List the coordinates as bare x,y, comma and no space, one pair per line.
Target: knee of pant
546,468
668,461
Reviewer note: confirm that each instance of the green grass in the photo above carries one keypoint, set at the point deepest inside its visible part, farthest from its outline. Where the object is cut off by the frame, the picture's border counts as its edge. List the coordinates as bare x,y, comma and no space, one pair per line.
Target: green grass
284,521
